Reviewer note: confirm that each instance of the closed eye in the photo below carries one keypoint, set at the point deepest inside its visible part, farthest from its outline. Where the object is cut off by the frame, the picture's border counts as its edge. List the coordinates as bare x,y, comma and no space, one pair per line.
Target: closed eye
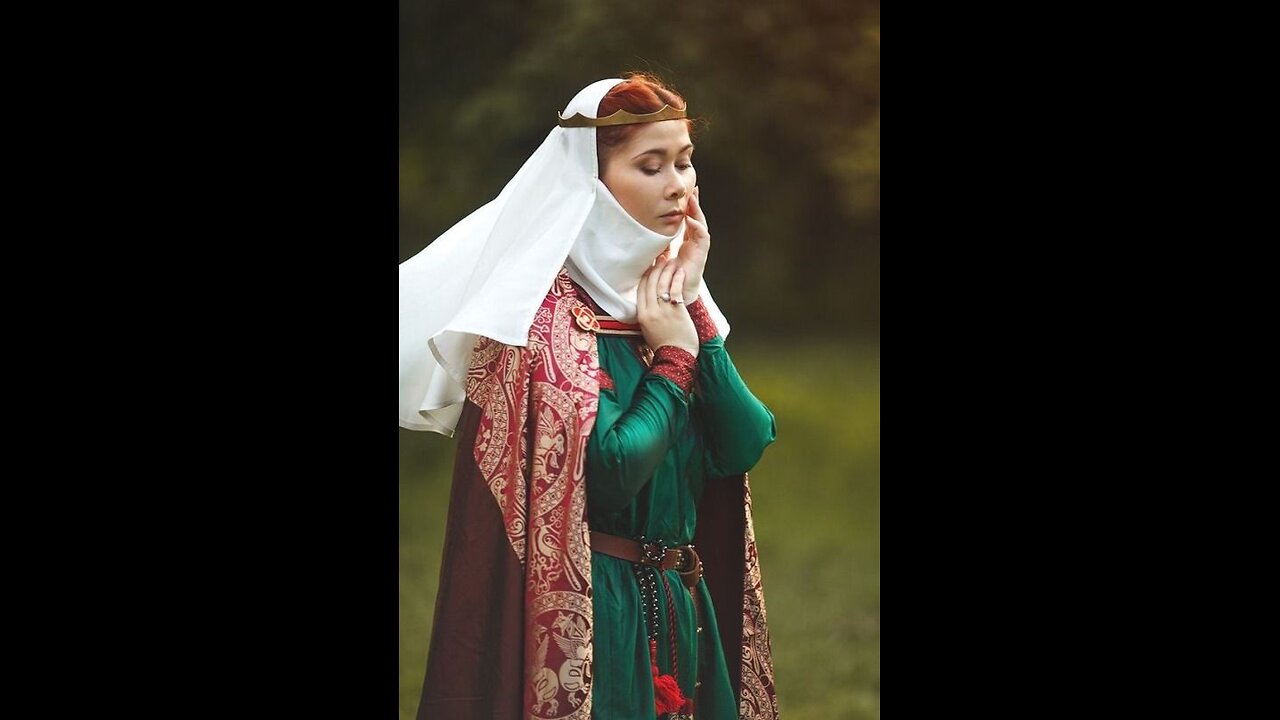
655,171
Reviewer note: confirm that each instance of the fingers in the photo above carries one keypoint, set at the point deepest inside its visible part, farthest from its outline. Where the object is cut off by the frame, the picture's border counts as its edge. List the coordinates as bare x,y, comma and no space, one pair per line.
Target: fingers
664,282
695,208
663,276
698,228
695,229
645,291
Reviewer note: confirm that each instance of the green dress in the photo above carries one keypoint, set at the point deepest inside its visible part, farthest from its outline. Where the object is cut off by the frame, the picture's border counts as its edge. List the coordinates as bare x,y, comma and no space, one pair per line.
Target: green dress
651,451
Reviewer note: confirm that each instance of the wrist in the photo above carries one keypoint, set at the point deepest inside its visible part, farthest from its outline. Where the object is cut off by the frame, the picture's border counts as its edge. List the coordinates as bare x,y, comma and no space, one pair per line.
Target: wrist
690,347
677,364
692,291
702,321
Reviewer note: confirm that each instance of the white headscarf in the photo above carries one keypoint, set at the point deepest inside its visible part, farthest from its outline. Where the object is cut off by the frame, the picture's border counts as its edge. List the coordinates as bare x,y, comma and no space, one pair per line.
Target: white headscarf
488,274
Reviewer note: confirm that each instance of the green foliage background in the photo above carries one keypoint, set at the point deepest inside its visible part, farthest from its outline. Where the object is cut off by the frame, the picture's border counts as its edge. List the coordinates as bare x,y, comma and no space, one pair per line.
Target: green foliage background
788,162
789,169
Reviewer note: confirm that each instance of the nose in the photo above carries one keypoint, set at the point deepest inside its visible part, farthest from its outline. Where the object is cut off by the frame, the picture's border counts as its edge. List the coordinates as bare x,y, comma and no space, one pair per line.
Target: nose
676,188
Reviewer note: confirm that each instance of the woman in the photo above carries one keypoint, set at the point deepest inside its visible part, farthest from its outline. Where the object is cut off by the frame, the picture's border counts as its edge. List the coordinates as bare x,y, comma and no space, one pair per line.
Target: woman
604,436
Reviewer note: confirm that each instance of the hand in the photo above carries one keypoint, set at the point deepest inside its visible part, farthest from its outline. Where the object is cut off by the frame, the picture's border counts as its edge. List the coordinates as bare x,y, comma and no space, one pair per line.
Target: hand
692,257
664,322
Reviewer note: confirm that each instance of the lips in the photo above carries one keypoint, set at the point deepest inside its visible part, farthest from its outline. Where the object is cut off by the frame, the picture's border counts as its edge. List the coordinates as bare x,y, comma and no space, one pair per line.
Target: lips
673,214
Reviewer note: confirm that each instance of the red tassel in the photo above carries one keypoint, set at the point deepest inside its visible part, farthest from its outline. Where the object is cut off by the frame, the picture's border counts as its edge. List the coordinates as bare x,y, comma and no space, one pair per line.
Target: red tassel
667,697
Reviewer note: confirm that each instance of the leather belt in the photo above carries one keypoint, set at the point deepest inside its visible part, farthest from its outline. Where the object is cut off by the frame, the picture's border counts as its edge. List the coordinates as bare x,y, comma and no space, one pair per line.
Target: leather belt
683,558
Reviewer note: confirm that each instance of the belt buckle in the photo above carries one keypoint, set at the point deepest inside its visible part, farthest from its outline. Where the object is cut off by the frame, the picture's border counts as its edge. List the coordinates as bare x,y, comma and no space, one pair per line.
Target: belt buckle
652,553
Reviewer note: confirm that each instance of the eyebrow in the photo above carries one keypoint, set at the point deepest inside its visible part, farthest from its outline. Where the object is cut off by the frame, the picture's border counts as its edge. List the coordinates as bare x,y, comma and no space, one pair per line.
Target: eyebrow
662,152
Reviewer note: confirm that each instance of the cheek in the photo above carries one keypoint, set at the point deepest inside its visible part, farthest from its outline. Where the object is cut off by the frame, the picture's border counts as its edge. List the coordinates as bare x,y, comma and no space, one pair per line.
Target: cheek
619,184
630,192
635,188
646,187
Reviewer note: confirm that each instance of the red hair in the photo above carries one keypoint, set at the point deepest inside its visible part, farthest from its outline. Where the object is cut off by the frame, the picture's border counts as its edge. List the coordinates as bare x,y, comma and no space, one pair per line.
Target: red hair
638,93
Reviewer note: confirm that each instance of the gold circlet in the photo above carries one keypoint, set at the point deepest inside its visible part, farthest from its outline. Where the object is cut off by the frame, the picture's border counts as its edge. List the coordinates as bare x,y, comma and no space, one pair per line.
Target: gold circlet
621,117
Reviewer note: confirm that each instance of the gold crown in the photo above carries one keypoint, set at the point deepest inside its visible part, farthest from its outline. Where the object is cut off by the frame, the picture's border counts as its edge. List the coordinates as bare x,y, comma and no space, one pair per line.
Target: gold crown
621,117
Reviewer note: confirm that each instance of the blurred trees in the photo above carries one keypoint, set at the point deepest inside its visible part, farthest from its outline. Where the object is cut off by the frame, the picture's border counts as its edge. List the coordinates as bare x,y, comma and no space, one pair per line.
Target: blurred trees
788,161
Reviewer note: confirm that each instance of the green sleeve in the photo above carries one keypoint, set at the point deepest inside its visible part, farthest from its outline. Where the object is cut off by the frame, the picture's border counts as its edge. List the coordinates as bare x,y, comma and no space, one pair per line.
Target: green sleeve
737,426
628,444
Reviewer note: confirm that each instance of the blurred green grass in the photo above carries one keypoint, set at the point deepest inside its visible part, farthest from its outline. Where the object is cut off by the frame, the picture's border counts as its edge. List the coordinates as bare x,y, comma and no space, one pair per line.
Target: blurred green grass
816,503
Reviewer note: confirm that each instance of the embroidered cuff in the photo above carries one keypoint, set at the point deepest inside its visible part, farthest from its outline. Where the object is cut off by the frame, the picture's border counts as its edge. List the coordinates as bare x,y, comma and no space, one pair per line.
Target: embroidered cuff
675,364
702,321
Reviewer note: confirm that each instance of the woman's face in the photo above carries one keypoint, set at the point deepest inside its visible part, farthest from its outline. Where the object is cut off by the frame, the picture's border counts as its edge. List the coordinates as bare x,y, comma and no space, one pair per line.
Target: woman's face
652,174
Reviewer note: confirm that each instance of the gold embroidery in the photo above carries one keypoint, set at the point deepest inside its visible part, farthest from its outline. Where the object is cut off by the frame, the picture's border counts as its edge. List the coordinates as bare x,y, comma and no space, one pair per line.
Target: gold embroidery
539,404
